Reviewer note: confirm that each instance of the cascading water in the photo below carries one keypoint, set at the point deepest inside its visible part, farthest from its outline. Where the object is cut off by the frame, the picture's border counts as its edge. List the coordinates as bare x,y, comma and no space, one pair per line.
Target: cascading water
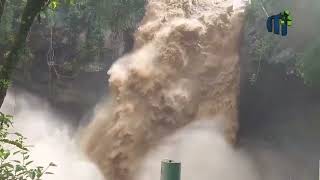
174,96
50,136
185,68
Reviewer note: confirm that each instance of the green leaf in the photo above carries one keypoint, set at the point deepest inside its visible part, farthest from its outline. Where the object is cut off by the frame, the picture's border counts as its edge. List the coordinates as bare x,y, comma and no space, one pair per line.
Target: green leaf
19,168
32,174
26,157
29,162
18,134
6,165
6,154
16,152
54,4
52,164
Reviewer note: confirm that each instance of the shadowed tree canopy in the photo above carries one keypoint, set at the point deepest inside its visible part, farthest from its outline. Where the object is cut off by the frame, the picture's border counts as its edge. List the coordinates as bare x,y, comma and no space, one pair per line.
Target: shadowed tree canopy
32,9
97,16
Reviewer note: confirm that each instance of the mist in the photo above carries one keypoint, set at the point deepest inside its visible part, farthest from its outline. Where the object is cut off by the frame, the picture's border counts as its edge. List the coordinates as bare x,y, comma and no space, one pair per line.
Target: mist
51,137
204,154
176,96
200,147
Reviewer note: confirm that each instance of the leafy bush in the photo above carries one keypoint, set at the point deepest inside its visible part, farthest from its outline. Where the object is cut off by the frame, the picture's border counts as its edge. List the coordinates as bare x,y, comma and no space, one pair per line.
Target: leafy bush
15,163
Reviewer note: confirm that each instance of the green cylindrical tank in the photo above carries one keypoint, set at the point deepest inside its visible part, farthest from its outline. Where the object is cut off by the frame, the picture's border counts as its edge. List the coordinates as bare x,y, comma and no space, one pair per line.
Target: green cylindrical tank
170,170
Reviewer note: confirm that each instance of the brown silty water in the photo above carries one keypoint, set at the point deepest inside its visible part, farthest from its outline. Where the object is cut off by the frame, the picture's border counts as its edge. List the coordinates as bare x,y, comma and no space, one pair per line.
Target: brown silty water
185,67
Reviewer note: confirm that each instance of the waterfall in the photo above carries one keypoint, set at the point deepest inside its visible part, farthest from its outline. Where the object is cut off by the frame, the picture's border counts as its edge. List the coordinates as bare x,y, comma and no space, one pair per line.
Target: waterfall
184,68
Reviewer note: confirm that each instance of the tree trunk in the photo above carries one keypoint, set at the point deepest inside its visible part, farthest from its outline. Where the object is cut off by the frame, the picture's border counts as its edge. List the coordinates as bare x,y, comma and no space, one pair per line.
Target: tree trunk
2,4
32,9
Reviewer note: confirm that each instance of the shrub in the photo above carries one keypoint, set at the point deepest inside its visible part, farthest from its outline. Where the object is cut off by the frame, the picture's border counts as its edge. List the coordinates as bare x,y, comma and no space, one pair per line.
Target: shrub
15,162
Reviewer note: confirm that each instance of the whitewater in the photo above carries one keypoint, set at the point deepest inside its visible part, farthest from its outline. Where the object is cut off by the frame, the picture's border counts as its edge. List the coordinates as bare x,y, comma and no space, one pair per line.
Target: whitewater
184,68
174,96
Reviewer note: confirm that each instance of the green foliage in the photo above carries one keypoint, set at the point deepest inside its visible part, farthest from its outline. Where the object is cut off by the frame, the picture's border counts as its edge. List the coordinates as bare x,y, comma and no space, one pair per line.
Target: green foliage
15,162
91,20
117,15
259,45
54,4
4,84
79,26
308,65
263,47
10,22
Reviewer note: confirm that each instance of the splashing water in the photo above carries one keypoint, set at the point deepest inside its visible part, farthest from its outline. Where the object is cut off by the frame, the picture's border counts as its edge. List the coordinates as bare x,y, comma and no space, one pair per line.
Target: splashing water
185,67
174,97
51,138
204,154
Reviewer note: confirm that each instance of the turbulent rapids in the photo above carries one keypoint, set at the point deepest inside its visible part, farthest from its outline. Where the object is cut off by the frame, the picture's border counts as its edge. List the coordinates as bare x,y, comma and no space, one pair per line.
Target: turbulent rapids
184,68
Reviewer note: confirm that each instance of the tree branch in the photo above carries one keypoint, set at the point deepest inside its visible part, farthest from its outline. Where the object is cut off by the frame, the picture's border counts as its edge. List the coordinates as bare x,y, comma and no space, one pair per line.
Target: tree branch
32,9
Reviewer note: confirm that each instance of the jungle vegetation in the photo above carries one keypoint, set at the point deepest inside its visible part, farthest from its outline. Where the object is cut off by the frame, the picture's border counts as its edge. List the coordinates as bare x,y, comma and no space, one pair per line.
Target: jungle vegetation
35,30
299,51
50,19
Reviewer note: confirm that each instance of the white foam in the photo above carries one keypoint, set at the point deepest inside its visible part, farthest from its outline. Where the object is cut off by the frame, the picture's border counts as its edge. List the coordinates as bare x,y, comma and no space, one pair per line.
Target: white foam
51,139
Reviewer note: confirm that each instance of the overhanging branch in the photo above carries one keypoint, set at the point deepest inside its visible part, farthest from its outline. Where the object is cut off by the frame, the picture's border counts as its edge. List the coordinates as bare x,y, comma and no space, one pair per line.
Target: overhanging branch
32,9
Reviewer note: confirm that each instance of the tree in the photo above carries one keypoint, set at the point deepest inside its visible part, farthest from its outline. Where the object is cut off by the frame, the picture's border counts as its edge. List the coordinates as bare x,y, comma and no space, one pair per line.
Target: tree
298,55
12,144
32,9
99,16
122,15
